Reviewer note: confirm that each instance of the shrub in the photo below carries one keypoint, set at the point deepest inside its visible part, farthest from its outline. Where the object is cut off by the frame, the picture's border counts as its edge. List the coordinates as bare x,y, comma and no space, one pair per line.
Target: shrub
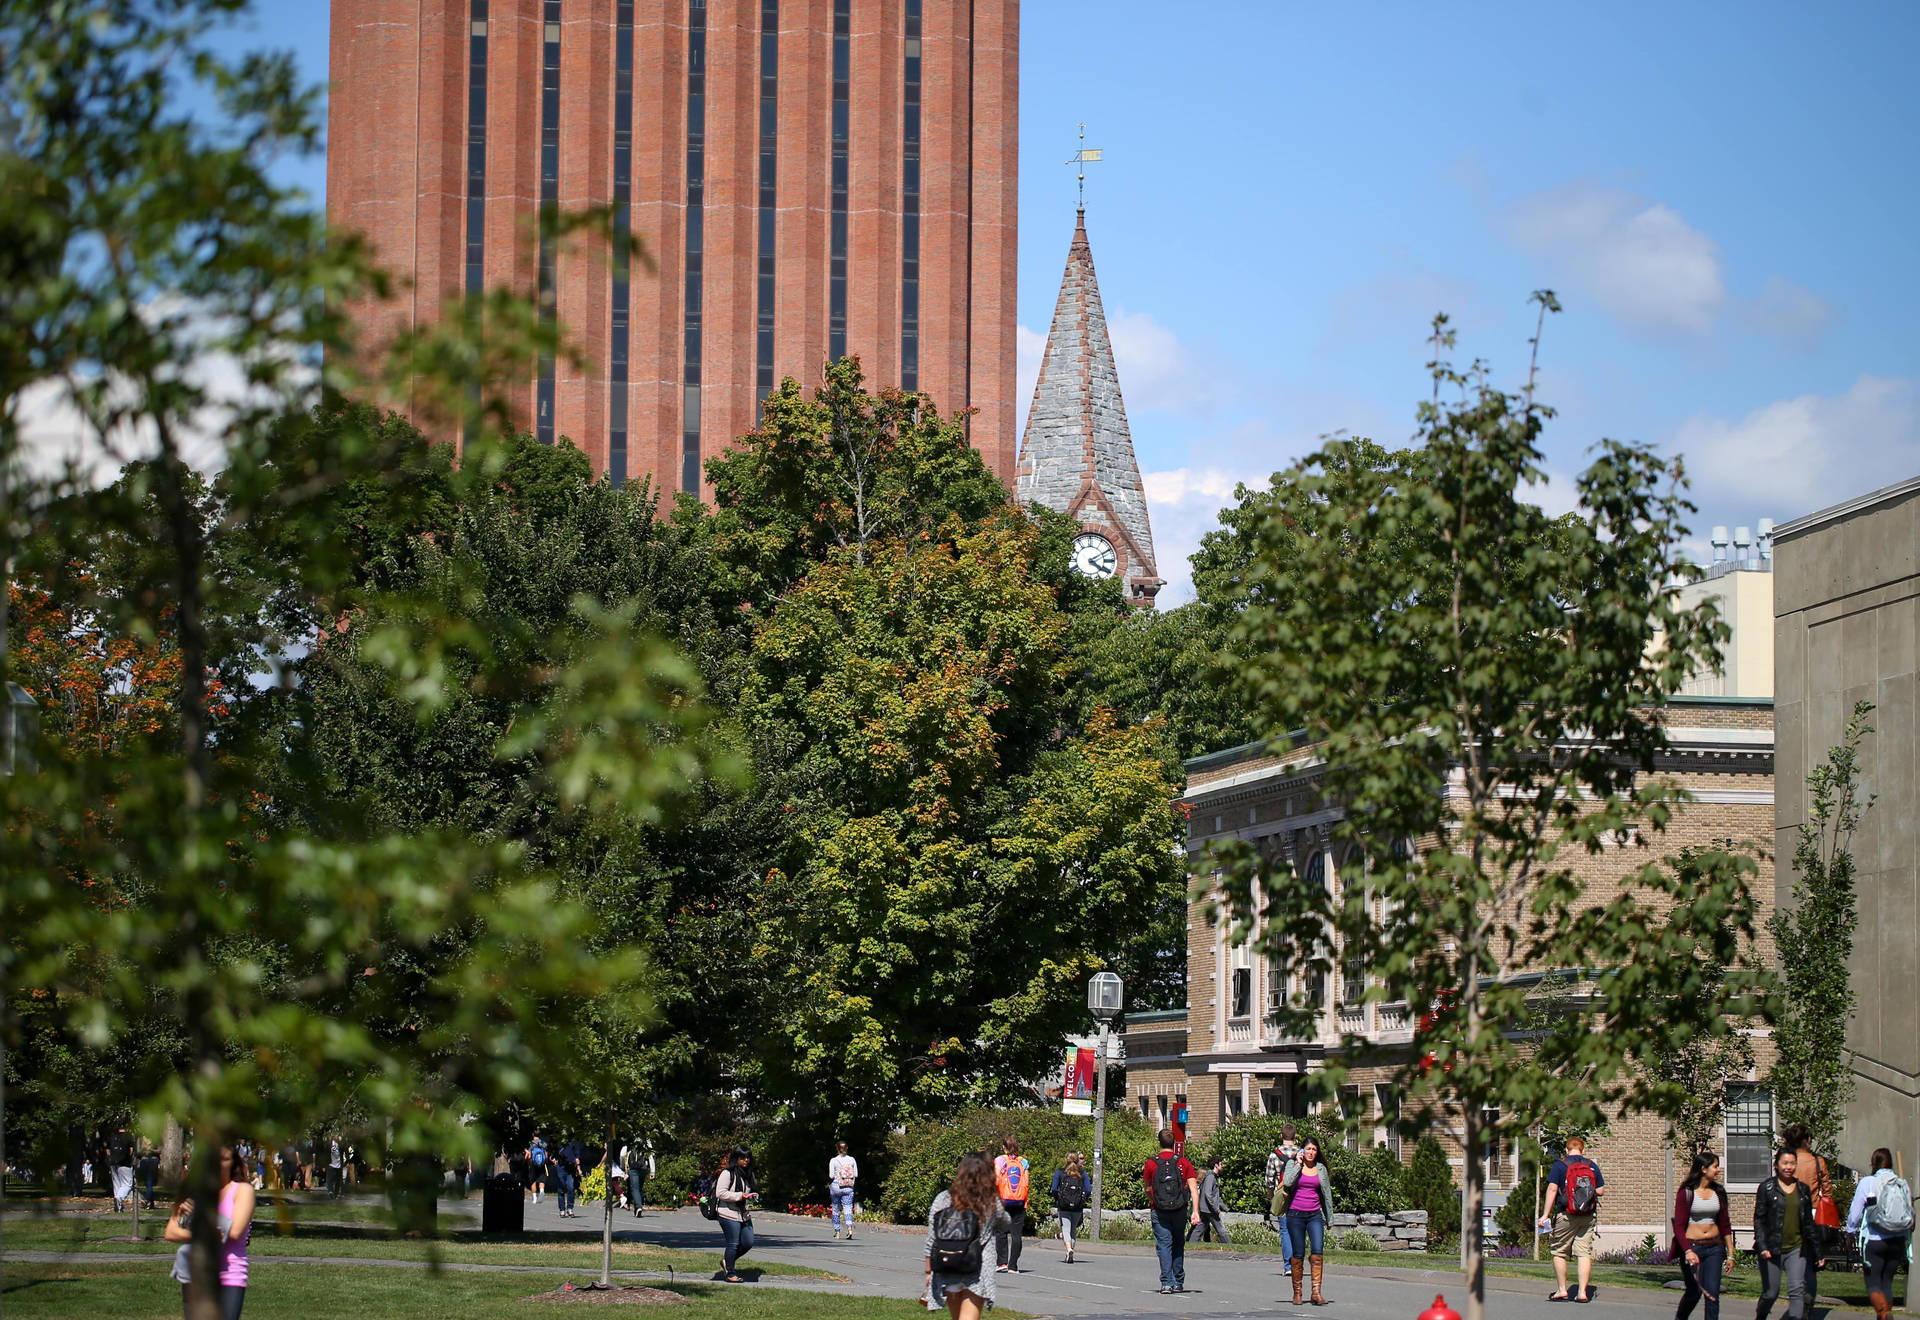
1257,1237
1514,1221
1124,1228
1363,1183
593,1187
926,1154
1358,1239
1429,1186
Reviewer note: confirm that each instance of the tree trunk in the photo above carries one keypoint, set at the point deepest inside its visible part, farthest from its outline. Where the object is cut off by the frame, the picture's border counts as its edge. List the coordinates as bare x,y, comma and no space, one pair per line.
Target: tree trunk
203,1264
1471,1236
606,1227
173,1153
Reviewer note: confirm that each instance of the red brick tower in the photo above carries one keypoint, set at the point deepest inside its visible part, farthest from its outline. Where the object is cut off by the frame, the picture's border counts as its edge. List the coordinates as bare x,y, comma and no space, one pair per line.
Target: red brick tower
810,178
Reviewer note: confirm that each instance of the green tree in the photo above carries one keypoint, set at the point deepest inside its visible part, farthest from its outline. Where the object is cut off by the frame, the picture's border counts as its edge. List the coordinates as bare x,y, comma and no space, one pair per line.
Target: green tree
1430,1187
1491,693
287,950
1812,1073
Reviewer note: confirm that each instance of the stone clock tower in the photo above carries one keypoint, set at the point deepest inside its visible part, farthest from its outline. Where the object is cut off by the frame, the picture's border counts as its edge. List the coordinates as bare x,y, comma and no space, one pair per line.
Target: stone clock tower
1077,454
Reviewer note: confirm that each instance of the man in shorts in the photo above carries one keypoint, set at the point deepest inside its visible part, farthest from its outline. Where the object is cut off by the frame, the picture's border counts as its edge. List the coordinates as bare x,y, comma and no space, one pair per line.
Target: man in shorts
1574,1188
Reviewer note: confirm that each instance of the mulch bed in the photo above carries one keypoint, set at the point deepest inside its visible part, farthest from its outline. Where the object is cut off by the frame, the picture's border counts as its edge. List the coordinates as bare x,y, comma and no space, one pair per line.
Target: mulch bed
621,1294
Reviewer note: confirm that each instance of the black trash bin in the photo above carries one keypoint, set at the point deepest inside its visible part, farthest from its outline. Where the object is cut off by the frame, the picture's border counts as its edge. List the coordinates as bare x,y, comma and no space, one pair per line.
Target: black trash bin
502,1210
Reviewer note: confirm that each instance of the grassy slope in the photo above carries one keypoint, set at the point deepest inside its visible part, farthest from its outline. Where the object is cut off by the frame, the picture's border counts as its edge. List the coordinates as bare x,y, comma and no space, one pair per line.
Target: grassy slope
300,1292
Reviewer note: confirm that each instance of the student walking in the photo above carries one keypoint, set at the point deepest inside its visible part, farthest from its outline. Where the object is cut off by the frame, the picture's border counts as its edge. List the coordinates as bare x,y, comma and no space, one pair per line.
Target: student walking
537,1166
1702,1235
1306,1190
1822,1228
1213,1207
1882,1214
1277,1160
236,1230
120,1161
149,1168
1013,1178
335,1166
965,1226
566,1174
1173,1193
1782,1218
733,1197
1070,1199
842,1172
1574,1188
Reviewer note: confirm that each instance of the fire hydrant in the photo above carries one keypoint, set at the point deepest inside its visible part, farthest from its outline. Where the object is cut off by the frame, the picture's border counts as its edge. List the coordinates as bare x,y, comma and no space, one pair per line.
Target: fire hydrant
1439,1310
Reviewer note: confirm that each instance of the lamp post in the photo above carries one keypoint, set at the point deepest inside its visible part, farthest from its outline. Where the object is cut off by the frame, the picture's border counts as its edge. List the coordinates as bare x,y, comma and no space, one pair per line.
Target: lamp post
1104,997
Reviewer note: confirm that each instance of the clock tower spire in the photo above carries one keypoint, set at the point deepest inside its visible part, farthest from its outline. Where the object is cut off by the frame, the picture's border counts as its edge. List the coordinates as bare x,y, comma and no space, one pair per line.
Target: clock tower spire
1077,453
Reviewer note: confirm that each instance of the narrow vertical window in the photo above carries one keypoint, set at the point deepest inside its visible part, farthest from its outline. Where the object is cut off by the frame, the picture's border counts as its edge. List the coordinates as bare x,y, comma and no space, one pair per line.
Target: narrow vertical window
910,208
837,250
769,175
549,204
622,225
476,253
696,202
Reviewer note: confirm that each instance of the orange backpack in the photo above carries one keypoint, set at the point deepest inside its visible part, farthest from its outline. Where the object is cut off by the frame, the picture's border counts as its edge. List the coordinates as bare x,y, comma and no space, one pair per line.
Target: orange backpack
1010,1176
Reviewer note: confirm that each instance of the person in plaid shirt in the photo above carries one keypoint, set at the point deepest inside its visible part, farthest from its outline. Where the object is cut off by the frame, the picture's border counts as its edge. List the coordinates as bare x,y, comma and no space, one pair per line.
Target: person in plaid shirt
1288,1149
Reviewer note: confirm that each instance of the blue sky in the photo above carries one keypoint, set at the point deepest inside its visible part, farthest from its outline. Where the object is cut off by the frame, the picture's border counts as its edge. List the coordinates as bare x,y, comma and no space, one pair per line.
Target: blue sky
1723,195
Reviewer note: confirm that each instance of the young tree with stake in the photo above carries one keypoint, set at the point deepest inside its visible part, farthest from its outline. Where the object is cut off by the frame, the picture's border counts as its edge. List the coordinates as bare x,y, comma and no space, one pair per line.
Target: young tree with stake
1491,695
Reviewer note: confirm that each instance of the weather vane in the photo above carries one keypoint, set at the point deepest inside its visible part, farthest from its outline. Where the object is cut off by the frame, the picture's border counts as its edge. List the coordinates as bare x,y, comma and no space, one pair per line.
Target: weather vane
1080,158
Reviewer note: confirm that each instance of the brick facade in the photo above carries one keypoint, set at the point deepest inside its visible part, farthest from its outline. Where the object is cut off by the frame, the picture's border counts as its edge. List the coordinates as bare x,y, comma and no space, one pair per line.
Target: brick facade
396,173
1723,754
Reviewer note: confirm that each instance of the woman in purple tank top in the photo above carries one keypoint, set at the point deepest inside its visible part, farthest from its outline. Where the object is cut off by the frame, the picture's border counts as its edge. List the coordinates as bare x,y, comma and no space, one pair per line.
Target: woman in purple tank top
236,1228
1306,1190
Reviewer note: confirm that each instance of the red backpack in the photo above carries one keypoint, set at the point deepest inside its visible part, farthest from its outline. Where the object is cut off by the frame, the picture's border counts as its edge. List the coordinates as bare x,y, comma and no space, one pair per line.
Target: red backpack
1582,1189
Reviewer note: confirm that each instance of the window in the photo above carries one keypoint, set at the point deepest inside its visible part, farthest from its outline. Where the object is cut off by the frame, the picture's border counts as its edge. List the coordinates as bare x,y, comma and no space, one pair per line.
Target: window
1387,1134
1241,983
617,341
696,223
1236,1103
1749,1134
1352,1110
837,223
1274,1100
910,207
769,158
549,199
1489,1121
1146,1108
1160,1103
476,171
1314,870
1353,981
1276,987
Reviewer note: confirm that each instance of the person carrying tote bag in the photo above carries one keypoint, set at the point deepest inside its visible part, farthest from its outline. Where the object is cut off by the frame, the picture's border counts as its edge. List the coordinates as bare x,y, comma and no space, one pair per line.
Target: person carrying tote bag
1306,1199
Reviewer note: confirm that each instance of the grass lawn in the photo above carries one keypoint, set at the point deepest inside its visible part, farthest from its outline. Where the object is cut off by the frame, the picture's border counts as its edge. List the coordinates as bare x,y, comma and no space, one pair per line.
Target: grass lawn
461,1248
303,1292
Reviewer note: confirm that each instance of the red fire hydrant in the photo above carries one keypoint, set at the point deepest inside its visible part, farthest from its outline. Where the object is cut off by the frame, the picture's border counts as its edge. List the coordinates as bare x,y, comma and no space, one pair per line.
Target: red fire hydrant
1439,1310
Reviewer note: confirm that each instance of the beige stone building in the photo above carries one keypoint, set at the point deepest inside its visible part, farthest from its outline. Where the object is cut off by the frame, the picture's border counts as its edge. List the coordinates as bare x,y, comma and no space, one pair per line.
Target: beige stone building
1221,1057
1847,629
1739,581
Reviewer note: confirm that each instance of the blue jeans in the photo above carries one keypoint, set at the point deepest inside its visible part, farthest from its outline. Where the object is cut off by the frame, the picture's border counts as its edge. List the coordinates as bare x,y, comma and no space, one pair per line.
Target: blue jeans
1306,1227
565,1179
842,1207
1704,1281
739,1237
1170,1244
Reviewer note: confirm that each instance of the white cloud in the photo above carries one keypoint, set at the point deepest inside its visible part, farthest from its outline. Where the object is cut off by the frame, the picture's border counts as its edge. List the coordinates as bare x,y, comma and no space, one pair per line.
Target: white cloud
1789,312
1157,372
1801,454
1184,504
1639,260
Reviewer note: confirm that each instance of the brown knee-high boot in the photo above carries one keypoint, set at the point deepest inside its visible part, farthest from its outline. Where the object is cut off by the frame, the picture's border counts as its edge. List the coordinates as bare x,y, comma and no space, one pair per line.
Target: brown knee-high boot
1299,1263
1318,1298
1882,1305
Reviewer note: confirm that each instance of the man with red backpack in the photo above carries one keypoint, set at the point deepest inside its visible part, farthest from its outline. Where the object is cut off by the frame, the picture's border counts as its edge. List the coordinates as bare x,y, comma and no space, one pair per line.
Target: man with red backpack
1574,1188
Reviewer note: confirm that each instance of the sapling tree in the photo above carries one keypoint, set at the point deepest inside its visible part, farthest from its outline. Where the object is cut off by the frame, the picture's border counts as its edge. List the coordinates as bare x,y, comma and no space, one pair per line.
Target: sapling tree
1812,1073
1487,705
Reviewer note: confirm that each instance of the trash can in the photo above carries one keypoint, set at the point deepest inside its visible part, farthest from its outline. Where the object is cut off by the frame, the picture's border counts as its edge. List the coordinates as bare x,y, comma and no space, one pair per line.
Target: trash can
502,1209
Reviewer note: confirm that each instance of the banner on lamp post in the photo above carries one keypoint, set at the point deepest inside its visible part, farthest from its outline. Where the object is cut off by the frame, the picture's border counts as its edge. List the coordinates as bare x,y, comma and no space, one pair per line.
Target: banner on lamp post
1076,1089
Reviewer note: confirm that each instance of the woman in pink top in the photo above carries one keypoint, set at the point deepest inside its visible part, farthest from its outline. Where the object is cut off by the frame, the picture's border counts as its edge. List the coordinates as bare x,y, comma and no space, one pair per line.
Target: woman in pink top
1306,1190
236,1228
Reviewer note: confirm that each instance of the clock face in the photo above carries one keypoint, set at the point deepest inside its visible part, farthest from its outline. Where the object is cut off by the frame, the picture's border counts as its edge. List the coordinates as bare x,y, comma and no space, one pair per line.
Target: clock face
1093,555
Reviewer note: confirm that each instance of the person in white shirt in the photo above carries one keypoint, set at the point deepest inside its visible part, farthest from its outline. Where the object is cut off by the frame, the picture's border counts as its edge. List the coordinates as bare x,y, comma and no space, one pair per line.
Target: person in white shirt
842,1172
1882,1248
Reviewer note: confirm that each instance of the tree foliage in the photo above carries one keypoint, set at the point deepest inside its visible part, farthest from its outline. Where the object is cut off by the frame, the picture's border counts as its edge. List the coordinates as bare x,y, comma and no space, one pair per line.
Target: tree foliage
1812,1073
1491,692
1429,1186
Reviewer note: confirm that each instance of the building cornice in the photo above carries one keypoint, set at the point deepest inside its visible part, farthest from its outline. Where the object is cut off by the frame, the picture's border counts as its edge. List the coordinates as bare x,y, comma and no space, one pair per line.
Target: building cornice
1800,526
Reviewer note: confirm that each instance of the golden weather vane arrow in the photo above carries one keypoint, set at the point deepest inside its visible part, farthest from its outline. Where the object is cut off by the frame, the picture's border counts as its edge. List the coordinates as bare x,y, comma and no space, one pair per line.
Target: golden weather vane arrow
1080,158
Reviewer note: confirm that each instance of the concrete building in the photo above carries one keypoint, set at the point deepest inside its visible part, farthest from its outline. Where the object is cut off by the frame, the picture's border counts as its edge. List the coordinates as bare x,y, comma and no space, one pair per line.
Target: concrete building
811,179
1222,1057
1847,629
1739,580
1077,456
